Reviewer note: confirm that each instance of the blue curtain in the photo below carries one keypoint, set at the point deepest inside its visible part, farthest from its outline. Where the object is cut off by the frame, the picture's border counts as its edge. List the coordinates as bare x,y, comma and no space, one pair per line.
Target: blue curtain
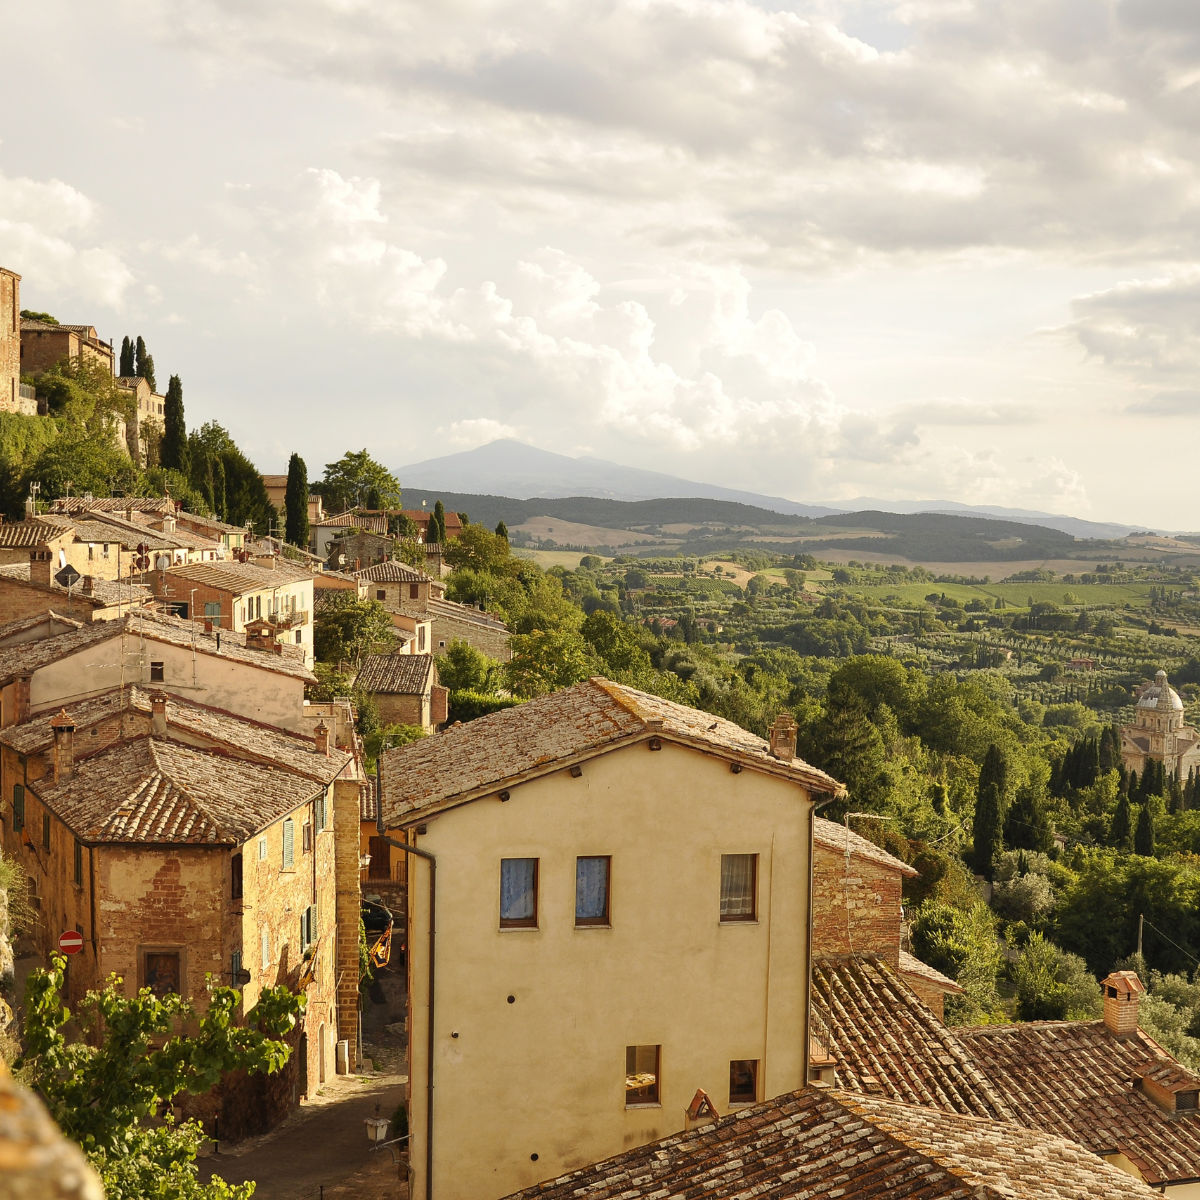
591,889
518,889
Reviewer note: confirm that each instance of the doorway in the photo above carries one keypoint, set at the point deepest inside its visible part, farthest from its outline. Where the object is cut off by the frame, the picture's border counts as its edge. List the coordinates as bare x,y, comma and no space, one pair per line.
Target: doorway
304,1064
321,1056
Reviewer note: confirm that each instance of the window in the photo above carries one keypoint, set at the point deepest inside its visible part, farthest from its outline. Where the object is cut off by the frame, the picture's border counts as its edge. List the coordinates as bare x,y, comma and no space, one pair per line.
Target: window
641,1075
266,949
380,594
79,864
157,672
212,611
739,886
319,812
162,973
18,807
91,552
743,1081
235,873
45,831
380,866
289,843
298,638
262,849
306,837
518,893
421,639
591,890
104,550
308,927
414,591
235,966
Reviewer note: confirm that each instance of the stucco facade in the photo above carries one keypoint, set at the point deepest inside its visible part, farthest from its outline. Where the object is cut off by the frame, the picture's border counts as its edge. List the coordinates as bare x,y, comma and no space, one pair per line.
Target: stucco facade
532,1025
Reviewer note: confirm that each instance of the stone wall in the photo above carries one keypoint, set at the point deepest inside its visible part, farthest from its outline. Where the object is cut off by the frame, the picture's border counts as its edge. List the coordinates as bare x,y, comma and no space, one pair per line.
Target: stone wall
858,911
349,908
402,710
10,340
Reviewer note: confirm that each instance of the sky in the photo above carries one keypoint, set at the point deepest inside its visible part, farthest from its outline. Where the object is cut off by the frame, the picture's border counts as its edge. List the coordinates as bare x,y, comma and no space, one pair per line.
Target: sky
908,249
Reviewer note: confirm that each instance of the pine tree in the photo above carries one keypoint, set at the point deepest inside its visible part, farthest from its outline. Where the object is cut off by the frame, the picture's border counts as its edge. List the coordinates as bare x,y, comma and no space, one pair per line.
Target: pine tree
987,826
295,503
174,449
502,530
1122,824
1143,838
439,512
126,368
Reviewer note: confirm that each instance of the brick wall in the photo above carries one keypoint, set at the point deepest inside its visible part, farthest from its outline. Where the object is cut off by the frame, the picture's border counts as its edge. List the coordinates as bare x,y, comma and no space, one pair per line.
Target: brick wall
402,710
855,912
349,908
19,599
10,339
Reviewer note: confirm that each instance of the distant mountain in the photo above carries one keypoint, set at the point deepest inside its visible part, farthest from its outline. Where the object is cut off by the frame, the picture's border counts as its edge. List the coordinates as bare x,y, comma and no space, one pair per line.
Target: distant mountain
507,467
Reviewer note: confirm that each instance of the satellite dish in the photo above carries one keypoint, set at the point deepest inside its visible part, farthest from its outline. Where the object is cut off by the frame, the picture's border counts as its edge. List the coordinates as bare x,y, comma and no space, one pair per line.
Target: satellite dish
163,562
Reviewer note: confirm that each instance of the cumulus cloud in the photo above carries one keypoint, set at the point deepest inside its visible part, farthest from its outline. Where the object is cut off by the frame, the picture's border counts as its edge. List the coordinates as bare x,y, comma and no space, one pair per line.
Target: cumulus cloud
45,227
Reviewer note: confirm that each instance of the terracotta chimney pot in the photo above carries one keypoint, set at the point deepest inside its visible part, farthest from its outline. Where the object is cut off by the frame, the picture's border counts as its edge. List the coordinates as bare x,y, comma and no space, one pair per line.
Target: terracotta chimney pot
783,737
1122,991
63,728
321,737
158,711
41,566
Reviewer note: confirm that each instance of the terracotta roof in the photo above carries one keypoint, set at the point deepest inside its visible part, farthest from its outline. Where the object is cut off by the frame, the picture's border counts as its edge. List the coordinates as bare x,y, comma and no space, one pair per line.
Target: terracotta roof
367,808
821,1142
156,791
435,606
49,617
104,591
469,761
835,837
887,1042
30,534
73,504
1075,1078
371,522
27,657
396,674
218,527
392,572
239,578
1169,1075
914,966
275,480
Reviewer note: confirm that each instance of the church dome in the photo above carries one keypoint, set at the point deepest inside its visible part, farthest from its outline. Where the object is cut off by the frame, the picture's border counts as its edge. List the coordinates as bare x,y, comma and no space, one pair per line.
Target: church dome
1160,695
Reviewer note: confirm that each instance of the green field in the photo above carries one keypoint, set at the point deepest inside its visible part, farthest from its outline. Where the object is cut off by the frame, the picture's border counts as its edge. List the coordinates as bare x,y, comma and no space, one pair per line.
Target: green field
1016,595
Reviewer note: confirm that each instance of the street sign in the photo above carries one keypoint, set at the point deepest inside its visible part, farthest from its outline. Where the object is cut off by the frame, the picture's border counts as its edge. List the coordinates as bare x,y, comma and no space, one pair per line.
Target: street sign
142,548
71,942
68,576
142,562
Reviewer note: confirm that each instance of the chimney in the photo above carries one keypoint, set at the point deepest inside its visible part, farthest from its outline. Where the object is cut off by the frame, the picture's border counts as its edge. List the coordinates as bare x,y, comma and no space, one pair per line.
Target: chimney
64,746
21,688
208,625
1122,989
158,711
41,566
322,739
783,737
89,585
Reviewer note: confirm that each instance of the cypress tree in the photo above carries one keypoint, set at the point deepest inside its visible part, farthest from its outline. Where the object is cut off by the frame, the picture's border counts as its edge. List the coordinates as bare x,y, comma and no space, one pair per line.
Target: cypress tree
148,372
295,503
938,799
439,512
174,450
987,827
994,770
139,356
1027,824
502,530
1122,824
1174,795
431,530
126,367
1143,838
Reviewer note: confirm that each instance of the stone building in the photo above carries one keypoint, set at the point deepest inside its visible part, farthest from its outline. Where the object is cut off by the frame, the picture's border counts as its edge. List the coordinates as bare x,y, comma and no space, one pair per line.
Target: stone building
145,429
13,397
1159,732
405,689
43,344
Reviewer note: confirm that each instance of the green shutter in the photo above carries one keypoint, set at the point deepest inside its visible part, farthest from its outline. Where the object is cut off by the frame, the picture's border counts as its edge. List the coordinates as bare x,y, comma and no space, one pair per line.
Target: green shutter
18,807
289,842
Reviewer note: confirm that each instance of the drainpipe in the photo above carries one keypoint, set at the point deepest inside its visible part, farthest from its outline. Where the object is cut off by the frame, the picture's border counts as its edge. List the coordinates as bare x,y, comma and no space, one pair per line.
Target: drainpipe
429,858
808,943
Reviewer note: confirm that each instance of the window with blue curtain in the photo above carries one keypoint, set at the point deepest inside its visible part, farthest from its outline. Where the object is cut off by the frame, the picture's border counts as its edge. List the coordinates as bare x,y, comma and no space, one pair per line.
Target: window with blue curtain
591,890
518,893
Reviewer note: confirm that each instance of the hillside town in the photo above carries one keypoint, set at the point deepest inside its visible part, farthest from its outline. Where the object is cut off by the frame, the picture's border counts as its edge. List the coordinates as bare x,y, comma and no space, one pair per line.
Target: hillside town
583,936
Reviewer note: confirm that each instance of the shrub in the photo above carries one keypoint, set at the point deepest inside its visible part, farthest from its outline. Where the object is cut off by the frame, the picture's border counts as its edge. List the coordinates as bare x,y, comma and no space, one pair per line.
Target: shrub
467,705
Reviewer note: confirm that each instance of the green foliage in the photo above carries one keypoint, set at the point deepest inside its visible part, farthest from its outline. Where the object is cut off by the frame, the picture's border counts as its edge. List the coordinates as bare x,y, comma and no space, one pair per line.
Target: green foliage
466,705
546,660
356,480
1052,985
465,669
439,516
387,736
22,440
1143,837
502,531
126,367
84,463
961,943
144,363
987,829
347,629
30,315
295,503
229,482
478,550
173,452
102,1095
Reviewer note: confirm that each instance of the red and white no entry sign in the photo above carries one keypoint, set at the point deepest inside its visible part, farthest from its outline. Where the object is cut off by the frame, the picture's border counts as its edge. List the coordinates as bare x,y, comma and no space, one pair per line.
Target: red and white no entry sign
71,942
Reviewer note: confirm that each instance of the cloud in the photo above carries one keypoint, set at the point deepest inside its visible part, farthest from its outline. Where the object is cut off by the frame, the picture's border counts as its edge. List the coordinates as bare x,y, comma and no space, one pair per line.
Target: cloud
475,431
44,228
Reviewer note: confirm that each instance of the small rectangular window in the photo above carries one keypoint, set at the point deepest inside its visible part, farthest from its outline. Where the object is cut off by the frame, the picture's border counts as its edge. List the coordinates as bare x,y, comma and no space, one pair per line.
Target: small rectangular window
79,864
212,611
262,849
289,843
308,927
104,550
414,591
641,1075
591,890
319,812
235,967
91,552
157,672
739,887
306,837
380,593
266,949
299,639
18,807
518,893
235,871
45,831
743,1081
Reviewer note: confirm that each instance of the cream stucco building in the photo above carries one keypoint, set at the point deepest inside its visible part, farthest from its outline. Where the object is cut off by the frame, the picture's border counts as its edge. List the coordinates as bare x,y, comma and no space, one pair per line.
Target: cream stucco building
1159,732
622,921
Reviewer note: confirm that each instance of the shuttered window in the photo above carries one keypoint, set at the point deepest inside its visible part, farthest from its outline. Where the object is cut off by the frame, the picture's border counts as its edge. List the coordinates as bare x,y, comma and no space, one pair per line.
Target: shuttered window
266,949
289,843
319,812
235,864
45,831
78,864
308,927
235,967
18,807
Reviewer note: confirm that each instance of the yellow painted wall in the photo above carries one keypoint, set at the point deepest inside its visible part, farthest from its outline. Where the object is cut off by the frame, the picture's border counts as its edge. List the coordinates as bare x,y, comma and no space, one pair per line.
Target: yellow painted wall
546,1074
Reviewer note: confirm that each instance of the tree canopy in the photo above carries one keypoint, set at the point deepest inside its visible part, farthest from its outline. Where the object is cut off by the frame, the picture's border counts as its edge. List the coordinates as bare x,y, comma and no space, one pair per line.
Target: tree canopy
356,480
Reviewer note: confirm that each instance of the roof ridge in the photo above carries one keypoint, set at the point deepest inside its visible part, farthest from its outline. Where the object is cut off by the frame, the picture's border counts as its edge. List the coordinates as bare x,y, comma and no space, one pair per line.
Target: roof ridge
155,742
